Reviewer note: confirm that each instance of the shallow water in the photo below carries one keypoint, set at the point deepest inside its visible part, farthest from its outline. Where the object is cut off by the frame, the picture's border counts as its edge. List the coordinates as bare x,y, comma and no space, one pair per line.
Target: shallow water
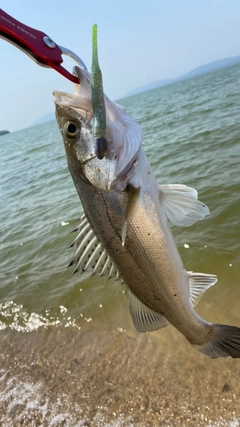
69,353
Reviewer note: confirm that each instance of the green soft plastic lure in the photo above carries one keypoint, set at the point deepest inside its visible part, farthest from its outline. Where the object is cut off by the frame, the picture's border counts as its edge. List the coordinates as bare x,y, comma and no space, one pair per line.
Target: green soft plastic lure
98,104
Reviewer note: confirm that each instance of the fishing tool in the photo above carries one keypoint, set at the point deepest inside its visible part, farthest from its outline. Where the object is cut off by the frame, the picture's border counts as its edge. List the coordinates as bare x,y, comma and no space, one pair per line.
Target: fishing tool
37,45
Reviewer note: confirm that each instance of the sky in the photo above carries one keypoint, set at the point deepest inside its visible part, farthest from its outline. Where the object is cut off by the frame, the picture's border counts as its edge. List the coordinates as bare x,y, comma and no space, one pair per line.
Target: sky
139,42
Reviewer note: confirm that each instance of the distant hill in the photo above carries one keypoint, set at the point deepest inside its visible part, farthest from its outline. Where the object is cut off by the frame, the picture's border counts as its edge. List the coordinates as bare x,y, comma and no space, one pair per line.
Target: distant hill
4,132
150,86
46,118
212,66
215,65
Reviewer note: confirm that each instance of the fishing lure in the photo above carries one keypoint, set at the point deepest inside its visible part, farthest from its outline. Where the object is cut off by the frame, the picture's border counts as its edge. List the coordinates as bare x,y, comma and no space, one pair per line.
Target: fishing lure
98,104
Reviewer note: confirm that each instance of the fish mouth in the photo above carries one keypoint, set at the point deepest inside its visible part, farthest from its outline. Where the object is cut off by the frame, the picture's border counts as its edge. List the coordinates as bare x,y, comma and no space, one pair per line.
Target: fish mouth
64,98
123,133
74,102
80,101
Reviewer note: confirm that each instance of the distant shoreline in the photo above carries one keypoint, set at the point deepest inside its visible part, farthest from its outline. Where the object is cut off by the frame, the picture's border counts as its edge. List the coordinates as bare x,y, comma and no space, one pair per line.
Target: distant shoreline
4,132
202,69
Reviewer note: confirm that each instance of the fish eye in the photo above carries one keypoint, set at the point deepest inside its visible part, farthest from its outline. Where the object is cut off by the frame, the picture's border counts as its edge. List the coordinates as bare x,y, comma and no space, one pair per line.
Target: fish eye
72,129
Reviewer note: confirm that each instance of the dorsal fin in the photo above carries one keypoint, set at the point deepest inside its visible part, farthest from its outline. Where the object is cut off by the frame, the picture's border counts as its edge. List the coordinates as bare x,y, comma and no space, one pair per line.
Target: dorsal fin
90,254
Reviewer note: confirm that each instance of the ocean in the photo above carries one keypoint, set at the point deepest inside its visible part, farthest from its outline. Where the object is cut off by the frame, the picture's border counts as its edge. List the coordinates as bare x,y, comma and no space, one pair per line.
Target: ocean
70,355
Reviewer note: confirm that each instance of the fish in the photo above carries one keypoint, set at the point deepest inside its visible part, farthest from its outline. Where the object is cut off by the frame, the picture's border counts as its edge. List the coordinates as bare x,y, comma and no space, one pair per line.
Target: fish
125,230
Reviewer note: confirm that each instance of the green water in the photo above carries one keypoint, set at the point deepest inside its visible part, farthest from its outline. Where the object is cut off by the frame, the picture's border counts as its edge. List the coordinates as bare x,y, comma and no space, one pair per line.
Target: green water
191,136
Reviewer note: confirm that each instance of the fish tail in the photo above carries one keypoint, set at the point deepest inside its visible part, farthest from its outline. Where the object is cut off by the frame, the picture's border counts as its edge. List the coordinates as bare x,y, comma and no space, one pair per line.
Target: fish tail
225,342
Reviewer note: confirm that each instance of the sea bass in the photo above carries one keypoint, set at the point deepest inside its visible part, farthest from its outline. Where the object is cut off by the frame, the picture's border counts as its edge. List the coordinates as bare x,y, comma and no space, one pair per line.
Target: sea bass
124,232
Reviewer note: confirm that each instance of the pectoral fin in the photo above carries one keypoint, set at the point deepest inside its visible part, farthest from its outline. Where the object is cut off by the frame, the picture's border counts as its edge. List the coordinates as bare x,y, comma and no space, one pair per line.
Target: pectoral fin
144,319
181,205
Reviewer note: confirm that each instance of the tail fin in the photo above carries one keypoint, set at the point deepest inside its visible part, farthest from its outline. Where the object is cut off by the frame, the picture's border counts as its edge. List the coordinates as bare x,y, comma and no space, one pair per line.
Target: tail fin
225,342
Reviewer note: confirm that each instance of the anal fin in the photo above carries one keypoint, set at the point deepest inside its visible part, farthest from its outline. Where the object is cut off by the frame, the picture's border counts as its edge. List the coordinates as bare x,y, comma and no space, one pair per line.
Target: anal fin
144,319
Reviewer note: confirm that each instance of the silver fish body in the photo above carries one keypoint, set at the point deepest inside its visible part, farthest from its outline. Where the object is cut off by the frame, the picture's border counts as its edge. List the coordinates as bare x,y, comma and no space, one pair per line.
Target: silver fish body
125,230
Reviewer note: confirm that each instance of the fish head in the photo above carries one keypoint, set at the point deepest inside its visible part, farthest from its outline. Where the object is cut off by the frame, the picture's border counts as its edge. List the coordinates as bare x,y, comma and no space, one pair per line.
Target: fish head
123,136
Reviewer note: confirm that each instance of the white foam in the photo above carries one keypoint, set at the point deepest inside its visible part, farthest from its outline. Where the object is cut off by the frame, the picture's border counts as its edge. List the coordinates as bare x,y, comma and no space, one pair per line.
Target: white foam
28,401
24,400
18,319
223,423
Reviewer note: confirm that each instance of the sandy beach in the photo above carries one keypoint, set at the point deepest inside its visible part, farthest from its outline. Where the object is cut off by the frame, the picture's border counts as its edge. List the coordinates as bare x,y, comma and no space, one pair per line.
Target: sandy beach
68,377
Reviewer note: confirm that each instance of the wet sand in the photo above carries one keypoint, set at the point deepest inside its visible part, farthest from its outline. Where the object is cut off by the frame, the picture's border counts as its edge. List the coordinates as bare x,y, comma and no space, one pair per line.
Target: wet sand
102,375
